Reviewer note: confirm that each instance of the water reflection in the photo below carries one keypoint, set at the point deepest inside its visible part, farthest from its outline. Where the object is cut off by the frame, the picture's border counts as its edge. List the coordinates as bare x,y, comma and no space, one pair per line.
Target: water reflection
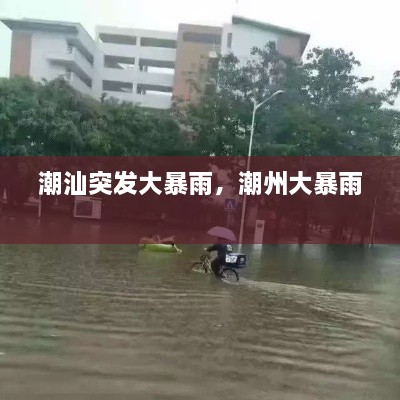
101,321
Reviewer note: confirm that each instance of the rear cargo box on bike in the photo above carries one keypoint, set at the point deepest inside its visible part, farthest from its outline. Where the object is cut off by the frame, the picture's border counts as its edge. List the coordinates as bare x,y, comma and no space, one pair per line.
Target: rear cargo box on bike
236,260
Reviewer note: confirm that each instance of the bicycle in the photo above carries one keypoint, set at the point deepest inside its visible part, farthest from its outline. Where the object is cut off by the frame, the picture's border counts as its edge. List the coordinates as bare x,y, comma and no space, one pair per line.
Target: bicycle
204,265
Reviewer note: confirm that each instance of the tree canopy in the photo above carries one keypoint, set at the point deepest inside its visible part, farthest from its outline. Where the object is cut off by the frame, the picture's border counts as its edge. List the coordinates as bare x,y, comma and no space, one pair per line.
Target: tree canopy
326,109
53,119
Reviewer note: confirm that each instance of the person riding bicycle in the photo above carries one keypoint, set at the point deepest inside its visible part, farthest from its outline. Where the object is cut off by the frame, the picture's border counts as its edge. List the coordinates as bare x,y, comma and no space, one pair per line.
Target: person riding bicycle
222,248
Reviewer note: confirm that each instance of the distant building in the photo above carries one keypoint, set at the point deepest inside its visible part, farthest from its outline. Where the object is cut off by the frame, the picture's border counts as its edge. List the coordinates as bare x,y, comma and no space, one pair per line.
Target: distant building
243,34
48,49
136,65
143,66
195,43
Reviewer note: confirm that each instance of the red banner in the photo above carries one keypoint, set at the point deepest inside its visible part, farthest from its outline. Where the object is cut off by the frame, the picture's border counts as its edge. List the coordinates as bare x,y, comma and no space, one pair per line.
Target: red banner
128,199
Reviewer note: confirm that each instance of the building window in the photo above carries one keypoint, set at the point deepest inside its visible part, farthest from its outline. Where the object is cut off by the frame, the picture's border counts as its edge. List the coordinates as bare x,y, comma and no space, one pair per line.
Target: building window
117,62
229,44
146,64
117,39
205,38
155,42
118,86
153,89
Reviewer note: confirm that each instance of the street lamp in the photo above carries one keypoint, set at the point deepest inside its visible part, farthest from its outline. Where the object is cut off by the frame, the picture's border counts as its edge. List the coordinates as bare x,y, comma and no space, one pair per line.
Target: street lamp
255,108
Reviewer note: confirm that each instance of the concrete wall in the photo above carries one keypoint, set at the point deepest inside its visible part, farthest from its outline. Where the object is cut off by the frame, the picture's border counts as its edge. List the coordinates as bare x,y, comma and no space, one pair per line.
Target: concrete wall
21,44
134,32
150,100
192,61
244,38
134,75
124,50
50,58
77,83
290,46
87,41
44,44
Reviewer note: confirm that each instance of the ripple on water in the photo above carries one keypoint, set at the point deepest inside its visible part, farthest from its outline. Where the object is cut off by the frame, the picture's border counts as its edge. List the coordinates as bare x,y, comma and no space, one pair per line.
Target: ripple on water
83,326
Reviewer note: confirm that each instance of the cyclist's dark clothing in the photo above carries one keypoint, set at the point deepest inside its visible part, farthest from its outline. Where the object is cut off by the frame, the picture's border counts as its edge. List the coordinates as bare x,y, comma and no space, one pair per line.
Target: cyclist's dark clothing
222,250
216,265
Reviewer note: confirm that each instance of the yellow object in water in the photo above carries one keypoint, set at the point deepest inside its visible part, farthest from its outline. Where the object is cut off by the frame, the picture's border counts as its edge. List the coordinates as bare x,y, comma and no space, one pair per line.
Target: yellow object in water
160,247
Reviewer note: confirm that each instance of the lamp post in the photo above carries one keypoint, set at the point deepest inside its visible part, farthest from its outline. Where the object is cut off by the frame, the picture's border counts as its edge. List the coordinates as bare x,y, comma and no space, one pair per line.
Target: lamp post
255,108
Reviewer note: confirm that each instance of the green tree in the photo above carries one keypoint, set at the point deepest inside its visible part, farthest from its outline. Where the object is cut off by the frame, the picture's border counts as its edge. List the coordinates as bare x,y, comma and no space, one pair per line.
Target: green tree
51,118
327,109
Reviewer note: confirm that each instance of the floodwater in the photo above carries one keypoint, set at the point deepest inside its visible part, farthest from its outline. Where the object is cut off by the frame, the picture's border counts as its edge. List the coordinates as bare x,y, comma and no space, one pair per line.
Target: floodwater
111,322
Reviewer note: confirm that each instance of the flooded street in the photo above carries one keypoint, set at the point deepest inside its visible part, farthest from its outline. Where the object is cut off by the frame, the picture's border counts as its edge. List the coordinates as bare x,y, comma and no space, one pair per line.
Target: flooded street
102,322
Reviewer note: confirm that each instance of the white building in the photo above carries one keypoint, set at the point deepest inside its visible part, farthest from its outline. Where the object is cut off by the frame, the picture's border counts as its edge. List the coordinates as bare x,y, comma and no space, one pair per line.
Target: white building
137,65
243,34
48,49
141,66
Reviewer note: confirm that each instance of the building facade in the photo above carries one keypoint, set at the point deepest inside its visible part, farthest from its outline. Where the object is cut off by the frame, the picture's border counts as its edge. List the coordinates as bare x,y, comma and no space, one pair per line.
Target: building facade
46,50
196,43
146,67
137,65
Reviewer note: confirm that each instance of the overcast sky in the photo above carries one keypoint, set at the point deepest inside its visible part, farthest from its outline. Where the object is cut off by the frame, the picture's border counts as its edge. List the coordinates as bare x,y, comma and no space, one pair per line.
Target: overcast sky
371,29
